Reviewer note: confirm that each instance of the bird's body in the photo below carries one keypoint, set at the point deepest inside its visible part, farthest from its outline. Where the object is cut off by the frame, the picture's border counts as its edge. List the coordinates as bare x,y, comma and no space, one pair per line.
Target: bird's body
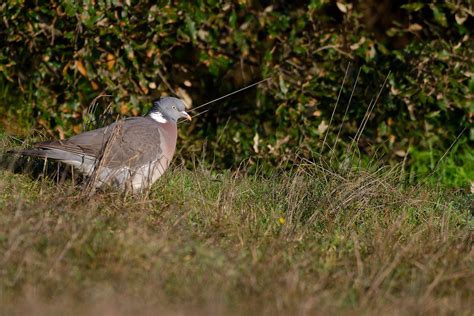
130,154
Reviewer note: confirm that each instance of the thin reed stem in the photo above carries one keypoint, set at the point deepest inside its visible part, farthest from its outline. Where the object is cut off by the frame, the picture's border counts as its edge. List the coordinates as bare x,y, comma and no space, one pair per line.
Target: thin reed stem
345,114
335,107
229,94
368,113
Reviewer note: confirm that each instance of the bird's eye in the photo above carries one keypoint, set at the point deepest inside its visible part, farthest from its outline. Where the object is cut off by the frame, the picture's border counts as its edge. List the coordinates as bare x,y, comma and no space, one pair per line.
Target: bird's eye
174,108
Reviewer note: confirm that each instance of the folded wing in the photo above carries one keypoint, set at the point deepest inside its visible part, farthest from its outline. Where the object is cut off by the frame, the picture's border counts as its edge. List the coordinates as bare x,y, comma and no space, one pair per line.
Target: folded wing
131,142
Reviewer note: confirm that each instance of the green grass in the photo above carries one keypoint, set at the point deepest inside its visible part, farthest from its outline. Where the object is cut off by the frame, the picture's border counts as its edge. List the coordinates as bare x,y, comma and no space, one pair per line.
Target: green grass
307,241
456,169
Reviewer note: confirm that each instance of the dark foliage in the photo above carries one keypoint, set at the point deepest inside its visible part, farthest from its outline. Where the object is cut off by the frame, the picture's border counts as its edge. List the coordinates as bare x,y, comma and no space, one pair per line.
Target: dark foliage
56,57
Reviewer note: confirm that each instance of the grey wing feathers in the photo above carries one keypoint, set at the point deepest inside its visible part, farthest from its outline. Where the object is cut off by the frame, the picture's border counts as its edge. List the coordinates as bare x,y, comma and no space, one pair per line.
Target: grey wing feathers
136,142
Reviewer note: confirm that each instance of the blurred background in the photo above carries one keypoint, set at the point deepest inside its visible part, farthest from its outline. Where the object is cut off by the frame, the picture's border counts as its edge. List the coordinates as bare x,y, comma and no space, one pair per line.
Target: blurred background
64,63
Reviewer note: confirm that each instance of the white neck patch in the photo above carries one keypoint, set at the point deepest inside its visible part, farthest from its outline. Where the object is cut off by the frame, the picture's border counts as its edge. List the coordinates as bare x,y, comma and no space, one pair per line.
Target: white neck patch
157,116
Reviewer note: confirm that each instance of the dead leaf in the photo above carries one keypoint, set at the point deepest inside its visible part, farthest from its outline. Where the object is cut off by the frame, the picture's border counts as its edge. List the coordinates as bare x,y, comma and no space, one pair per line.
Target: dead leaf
185,97
394,90
203,35
341,6
123,108
110,61
77,128
312,102
460,17
61,132
275,149
357,45
370,53
80,67
323,127
42,122
256,142
400,153
66,67
94,85
415,27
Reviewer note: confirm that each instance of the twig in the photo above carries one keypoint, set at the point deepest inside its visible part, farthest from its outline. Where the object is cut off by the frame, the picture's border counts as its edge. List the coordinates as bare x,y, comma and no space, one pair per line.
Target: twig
336,48
93,107
165,81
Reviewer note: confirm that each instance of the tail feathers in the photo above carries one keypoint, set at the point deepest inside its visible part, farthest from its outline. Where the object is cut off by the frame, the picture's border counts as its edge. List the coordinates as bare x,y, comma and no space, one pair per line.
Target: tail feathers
50,153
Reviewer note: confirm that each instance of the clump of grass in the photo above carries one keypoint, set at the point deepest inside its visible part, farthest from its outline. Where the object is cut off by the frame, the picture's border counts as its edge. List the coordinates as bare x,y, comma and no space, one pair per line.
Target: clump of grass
312,240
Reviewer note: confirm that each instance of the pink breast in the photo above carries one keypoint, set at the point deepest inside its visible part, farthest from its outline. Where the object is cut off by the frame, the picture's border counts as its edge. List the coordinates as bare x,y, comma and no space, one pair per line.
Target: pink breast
169,134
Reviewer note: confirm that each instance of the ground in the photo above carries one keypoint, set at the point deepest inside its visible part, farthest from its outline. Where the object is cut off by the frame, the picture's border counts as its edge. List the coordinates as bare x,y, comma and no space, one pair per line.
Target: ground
309,240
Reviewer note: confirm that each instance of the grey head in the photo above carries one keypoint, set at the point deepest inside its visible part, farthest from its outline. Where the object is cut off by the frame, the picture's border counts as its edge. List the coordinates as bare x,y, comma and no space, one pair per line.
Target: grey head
168,109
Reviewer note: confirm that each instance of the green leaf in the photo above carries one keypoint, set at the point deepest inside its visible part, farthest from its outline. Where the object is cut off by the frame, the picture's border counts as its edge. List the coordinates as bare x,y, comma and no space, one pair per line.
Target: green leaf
471,84
283,85
439,16
71,8
233,19
415,6
191,28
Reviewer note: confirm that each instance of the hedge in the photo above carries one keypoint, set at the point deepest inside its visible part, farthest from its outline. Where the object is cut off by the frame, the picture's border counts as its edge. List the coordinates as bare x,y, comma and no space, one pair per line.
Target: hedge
58,57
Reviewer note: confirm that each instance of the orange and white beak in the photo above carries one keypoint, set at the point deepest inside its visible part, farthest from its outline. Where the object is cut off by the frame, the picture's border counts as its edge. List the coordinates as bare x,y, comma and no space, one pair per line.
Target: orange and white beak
186,115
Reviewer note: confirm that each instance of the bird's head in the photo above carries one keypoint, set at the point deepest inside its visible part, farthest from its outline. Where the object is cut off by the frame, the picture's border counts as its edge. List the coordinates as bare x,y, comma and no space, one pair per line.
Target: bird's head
168,109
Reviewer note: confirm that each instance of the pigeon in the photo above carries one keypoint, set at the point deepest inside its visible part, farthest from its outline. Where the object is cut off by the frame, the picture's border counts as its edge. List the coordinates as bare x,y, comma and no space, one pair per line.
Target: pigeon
130,154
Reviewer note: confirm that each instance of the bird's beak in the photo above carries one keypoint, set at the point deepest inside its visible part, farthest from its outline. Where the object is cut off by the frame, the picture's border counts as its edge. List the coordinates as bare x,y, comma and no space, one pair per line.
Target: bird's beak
186,115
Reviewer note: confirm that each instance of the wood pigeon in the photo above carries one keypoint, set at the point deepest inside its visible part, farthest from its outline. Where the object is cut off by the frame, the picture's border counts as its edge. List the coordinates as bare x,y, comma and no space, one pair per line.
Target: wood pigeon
130,154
